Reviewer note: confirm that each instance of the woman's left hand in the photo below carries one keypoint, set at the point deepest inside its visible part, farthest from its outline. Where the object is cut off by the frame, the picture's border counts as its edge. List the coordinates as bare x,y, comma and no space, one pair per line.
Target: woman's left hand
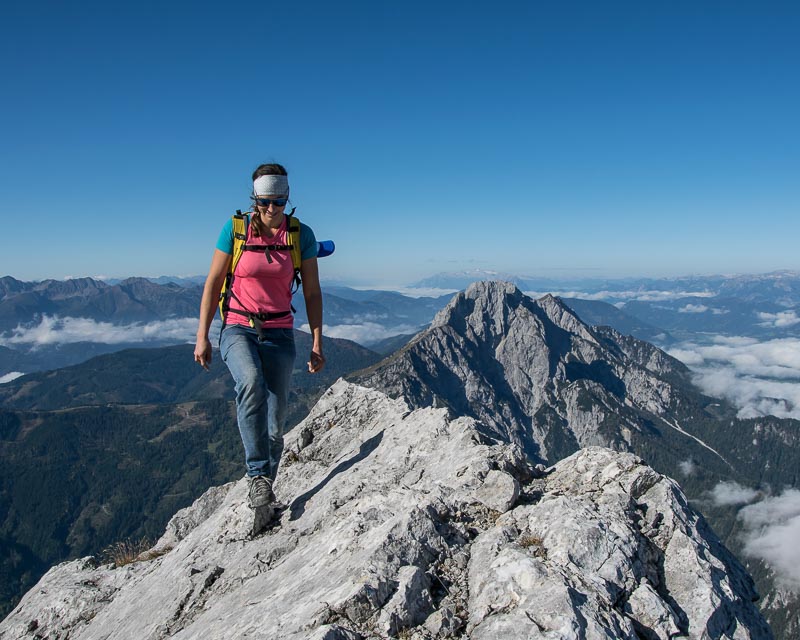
316,362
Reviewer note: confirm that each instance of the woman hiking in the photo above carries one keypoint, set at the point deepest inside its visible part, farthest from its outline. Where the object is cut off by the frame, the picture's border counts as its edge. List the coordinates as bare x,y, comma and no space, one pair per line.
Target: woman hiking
257,338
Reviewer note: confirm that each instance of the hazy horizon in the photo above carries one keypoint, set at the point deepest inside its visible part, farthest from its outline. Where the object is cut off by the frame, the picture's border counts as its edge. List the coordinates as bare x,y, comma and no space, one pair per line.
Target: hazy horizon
399,285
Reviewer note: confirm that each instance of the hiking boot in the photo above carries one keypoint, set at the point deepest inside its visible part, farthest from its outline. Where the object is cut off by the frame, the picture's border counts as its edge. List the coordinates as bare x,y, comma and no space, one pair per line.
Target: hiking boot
260,494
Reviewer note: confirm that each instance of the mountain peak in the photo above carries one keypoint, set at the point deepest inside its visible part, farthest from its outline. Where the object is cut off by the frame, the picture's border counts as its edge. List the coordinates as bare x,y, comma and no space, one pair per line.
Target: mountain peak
72,288
483,305
492,305
488,288
535,374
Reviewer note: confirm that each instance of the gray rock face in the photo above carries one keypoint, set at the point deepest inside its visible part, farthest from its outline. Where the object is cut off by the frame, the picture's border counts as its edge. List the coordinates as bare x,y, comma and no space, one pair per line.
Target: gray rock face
610,550
412,523
534,373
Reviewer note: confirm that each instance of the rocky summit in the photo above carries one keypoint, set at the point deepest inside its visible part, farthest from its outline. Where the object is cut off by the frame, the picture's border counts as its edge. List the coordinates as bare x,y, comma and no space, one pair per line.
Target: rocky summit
404,522
538,376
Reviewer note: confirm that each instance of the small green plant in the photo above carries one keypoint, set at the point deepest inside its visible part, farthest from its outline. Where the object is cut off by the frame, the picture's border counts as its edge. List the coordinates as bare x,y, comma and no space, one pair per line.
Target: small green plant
127,551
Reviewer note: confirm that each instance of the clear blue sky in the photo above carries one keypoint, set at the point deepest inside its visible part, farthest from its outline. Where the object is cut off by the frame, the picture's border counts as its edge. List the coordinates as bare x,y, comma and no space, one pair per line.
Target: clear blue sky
608,138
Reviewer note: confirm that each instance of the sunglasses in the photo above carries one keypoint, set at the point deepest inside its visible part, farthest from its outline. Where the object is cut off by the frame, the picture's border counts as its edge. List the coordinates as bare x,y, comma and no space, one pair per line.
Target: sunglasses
265,202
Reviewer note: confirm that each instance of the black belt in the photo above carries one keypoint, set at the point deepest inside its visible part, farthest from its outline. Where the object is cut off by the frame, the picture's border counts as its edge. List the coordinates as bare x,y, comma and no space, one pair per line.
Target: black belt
262,317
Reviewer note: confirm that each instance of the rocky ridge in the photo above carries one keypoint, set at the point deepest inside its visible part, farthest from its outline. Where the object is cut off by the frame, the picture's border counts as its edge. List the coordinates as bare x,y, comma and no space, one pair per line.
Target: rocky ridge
411,522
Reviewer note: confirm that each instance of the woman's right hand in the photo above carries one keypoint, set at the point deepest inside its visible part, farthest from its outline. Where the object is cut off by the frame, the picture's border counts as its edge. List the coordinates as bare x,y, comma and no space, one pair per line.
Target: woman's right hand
202,352
208,306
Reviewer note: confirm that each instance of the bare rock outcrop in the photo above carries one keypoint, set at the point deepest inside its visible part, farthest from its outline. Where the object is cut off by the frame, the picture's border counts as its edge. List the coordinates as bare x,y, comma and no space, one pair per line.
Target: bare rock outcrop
414,523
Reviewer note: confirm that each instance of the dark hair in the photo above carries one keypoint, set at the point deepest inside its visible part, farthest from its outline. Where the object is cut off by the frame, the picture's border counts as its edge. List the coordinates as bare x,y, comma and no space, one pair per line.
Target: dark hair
273,169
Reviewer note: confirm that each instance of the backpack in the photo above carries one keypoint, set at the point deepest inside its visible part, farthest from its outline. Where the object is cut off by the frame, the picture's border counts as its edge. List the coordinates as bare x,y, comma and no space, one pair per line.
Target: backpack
240,222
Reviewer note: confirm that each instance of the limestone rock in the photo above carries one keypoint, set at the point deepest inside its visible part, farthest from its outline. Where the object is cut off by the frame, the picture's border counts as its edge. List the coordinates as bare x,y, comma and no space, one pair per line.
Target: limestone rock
411,603
417,524
653,617
580,562
499,491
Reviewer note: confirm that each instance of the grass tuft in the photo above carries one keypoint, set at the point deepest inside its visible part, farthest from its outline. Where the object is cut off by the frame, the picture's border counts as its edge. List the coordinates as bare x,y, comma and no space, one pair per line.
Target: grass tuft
534,544
127,551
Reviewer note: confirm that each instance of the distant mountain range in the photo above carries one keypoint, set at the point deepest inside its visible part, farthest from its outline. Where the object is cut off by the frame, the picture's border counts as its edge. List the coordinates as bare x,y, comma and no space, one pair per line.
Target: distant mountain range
731,305
533,373
57,324
780,287
132,300
53,324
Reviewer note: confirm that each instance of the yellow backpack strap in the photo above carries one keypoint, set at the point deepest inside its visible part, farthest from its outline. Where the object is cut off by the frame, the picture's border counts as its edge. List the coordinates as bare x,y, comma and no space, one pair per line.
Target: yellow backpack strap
239,238
239,225
294,242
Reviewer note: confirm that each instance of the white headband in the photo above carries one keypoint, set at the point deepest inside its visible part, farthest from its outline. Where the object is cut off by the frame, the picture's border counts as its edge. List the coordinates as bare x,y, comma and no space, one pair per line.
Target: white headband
271,186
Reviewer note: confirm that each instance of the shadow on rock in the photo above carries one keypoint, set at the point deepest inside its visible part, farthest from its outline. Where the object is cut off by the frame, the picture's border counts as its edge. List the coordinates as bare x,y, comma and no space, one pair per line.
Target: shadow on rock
298,506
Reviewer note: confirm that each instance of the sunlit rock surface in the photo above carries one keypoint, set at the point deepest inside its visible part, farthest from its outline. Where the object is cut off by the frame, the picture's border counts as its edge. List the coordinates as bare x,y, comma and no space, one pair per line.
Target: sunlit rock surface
414,523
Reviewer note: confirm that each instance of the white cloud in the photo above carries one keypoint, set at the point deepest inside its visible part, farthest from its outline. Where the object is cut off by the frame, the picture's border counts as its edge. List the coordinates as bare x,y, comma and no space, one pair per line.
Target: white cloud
10,376
55,330
687,467
778,358
693,308
760,378
772,529
736,341
365,318
421,292
730,493
365,333
778,320
753,396
687,356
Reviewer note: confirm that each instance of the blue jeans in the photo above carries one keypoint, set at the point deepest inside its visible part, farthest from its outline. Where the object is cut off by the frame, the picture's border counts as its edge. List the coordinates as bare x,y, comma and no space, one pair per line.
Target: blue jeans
262,370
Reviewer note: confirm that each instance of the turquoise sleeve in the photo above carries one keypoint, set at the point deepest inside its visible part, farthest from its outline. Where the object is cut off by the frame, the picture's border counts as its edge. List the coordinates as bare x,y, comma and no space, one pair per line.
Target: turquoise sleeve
308,243
225,240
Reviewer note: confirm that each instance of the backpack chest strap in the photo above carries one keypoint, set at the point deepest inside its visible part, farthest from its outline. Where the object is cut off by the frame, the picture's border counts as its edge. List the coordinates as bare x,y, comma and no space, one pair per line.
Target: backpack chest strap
267,249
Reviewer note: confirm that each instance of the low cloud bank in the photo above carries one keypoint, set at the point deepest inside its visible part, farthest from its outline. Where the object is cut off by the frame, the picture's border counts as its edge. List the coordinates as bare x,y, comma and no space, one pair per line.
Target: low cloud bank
693,308
422,292
772,529
10,376
642,296
778,320
701,308
365,333
730,493
760,378
53,330
56,330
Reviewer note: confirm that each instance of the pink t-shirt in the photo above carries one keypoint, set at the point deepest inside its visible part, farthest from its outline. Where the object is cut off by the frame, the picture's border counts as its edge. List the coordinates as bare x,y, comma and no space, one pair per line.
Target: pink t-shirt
262,286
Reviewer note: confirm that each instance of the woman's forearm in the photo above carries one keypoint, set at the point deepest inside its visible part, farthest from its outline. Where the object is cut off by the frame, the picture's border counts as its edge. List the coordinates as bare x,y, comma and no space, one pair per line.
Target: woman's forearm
211,291
208,306
314,312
